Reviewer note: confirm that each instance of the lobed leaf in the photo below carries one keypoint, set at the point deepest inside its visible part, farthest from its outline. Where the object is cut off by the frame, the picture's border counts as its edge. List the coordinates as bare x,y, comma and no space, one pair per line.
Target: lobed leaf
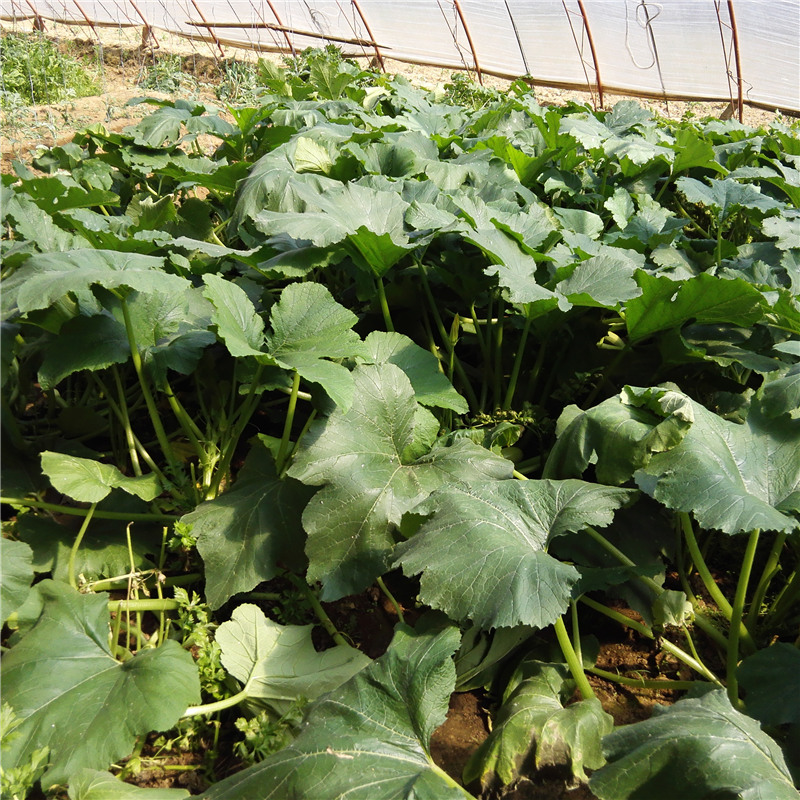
370,738
278,663
697,749
375,462
246,535
76,698
482,553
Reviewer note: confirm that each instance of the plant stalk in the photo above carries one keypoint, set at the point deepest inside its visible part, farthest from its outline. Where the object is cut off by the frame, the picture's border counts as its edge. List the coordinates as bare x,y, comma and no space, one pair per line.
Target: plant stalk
512,382
323,617
736,619
82,512
152,410
387,316
643,683
680,654
573,662
767,574
709,582
220,705
287,425
76,545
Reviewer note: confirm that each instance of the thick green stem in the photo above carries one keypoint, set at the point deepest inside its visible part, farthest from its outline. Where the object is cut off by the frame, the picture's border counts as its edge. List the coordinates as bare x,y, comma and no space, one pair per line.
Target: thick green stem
643,683
767,574
512,382
573,662
287,425
785,601
245,412
680,654
621,557
150,604
497,356
445,336
82,512
709,582
152,410
700,619
533,378
130,439
220,705
150,581
736,618
193,433
387,316
398,610
322,616
74,551
576,631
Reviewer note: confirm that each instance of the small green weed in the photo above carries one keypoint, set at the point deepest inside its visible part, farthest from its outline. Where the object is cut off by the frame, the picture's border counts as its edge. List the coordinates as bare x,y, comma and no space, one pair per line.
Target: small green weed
240,82
463,91
265,735
34,70
166,74
17,782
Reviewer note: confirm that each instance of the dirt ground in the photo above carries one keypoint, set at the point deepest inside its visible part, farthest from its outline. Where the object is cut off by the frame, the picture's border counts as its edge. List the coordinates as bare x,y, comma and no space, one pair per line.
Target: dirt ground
119,58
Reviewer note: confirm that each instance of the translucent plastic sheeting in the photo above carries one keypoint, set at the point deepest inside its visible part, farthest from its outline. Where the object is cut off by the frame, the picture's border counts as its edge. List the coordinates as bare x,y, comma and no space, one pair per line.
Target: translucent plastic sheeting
690,49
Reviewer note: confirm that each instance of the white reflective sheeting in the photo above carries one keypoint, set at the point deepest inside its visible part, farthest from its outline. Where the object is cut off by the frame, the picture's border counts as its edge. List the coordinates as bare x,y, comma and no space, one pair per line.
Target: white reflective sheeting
671,48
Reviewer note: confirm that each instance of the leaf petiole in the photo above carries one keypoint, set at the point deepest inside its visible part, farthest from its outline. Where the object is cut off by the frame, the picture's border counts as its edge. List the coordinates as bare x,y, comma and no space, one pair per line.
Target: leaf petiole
76,546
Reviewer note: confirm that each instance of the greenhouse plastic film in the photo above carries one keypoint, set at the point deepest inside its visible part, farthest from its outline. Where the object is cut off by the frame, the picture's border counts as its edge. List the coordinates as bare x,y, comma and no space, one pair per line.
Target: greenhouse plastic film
673,49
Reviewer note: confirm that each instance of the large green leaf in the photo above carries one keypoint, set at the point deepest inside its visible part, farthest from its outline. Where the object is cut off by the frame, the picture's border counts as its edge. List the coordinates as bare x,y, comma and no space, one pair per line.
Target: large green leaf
369,739
697,749
431,387
375,462
534,728
89,481
666,304
278,663
92,784
515,270
771,681
238,323
76,698
483,555
781,394
371,221
732,477
44,279
725,195
16,576
250,532
91,343
602,281
617,436
104,550
309,327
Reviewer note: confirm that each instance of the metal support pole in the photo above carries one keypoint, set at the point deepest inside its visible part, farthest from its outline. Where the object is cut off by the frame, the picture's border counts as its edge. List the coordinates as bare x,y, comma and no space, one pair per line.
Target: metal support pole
469,39
378,55
594,53
147,33
209,28
282,28
737,60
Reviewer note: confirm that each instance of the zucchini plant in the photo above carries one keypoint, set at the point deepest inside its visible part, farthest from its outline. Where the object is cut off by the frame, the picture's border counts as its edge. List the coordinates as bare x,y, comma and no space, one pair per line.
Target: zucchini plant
542,361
